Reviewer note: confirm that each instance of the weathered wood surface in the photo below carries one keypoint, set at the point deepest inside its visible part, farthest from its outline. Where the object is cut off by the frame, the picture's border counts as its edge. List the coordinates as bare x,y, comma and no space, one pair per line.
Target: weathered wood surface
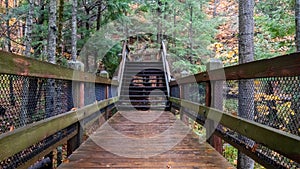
148,139
20,65
281,66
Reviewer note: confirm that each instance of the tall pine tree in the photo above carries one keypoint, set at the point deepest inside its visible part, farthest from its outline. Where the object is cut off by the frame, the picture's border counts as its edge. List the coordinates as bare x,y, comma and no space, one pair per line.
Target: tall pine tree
246,88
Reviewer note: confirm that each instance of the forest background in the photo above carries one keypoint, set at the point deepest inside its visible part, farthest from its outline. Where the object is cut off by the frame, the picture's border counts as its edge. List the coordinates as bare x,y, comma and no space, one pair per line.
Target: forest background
57,31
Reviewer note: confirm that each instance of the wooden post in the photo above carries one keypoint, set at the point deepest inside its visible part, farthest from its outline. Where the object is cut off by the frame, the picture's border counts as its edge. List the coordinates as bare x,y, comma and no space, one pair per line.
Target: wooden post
78,100
214,99
170,103
106,97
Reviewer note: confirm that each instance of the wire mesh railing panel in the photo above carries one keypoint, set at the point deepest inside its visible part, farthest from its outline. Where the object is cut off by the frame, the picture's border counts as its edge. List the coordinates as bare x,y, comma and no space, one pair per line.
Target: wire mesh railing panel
175,91
269,101
275,102
27,154
113,91
195,92
100,92
89,93
24,100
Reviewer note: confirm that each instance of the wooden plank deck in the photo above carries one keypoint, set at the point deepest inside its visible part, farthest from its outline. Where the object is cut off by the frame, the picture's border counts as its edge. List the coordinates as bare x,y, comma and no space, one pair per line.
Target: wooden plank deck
148,139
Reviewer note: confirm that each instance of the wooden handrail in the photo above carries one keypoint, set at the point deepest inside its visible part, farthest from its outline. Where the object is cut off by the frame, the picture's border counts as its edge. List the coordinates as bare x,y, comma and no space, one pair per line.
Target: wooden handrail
24,66
166,66
277,140
122,66
281,66
17,140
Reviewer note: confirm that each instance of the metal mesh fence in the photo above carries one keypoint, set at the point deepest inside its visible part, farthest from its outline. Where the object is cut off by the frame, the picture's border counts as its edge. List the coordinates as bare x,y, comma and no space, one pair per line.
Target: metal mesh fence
25,155
113,91
195,92
270,101
175,91
273,101
24,100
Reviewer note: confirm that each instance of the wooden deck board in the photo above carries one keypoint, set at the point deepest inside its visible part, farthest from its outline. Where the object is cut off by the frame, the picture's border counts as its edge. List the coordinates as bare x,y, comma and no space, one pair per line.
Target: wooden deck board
145,140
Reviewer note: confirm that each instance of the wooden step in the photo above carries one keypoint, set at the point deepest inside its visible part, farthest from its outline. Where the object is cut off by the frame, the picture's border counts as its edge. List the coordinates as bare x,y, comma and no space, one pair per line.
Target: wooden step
142,75
145,87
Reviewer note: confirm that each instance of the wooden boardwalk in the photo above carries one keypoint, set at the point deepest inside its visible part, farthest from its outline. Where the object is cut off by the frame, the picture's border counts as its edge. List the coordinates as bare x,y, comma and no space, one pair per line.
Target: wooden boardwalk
146,139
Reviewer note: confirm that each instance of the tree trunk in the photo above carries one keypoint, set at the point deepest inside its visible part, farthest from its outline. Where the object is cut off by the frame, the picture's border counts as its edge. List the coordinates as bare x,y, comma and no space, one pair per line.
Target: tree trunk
246,87
174,26
159,12
52,29
28,29
99,15
74,30
28,83
191,35
297,19
38,50
59,46
50,92
8,42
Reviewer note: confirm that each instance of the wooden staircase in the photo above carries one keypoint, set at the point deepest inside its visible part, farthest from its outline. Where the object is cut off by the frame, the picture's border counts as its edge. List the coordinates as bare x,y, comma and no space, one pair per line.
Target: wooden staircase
143,87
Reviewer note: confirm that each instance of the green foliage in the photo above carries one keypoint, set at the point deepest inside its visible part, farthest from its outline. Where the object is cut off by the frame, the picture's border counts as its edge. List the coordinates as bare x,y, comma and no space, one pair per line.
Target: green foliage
111,60
230,153
275,28
231,105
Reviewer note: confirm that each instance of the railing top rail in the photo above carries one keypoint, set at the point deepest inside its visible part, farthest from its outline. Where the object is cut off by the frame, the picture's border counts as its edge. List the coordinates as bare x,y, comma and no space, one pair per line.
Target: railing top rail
20,65
122,65
281,66
164,50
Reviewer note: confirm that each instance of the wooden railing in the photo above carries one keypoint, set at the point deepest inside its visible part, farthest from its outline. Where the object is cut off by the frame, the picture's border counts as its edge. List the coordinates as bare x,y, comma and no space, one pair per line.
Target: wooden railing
167,72
125,52
278,143
39,138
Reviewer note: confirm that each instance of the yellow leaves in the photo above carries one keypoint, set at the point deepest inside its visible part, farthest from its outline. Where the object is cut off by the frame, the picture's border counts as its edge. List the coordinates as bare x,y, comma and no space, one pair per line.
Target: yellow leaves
287,104
263,109
230,54
219,46
266,97
12,21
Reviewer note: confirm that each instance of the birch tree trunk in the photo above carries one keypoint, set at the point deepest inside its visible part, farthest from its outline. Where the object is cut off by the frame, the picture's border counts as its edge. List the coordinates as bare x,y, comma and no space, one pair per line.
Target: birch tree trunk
246,87
74,30
297,19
